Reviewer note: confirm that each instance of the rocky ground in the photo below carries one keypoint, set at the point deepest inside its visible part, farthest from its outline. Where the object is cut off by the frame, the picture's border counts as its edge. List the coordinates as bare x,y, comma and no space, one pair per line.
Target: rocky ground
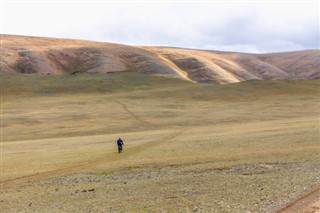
197,187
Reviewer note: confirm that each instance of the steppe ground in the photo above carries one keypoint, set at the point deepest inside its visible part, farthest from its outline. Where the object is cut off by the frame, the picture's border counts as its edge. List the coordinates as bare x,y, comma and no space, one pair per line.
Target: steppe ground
244,147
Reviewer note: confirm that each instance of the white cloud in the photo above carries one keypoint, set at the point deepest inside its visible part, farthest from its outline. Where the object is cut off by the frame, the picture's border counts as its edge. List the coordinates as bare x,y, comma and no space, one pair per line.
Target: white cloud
247,26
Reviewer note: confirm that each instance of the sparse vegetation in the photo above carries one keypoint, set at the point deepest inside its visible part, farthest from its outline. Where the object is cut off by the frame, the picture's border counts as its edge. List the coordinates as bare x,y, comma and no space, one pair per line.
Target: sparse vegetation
250,146
58,56
105,173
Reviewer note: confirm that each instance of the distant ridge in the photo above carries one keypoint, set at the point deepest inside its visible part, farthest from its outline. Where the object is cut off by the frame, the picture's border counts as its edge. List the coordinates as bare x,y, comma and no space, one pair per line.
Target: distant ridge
25,54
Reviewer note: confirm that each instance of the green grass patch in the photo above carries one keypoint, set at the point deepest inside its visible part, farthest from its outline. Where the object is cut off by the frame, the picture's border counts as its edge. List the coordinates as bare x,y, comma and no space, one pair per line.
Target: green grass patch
14,84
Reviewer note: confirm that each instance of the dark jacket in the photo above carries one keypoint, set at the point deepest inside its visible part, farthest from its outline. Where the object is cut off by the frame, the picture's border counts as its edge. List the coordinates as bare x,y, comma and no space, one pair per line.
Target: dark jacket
120,142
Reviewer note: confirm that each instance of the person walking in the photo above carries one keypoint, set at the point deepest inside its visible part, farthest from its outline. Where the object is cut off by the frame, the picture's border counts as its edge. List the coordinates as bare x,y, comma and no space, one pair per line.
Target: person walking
120,144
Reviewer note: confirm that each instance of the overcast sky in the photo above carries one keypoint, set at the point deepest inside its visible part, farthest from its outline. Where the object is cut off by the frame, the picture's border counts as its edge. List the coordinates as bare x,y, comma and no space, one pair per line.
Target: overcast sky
245,26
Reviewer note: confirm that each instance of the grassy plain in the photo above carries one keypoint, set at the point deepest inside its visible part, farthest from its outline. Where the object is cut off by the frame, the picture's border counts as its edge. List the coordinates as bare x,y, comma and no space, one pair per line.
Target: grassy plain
244,147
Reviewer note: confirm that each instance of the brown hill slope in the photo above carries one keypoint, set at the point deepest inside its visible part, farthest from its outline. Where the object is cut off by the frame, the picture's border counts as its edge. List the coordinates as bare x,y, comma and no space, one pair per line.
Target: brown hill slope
26,54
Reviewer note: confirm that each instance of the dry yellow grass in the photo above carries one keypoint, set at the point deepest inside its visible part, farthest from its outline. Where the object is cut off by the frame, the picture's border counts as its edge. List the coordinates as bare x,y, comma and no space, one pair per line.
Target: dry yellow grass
242,147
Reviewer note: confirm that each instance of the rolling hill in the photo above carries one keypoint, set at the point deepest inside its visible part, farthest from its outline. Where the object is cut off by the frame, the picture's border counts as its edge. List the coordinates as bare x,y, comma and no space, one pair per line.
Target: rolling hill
251,146
25,54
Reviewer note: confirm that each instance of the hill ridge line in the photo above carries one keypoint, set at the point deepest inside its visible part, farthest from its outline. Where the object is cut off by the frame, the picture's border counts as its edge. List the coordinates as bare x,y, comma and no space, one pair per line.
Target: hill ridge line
40,55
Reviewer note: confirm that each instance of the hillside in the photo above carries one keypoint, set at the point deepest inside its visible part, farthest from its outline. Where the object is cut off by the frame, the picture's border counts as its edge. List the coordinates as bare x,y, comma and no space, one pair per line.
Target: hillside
23,54
245,147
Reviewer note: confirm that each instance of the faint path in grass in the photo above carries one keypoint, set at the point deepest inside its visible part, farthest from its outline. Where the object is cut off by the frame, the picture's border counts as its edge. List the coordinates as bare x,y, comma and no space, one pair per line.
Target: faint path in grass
309,203
106,159
125,107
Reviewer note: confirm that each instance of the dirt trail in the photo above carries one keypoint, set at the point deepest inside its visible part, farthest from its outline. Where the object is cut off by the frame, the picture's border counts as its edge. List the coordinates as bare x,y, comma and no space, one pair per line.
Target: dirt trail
125,107
309,203
109,158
